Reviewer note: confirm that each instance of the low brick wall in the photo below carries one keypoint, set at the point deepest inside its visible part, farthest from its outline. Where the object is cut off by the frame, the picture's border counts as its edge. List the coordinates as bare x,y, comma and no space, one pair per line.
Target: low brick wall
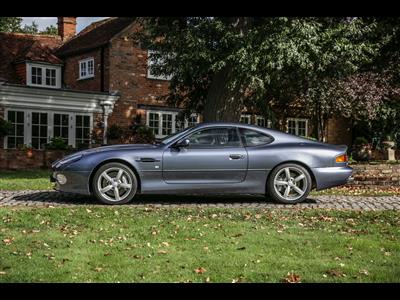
376,174
11,159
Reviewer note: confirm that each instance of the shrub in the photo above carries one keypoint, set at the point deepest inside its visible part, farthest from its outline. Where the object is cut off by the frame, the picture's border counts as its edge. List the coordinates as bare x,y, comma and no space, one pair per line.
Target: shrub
5,127
142,135
114,132
360,141
57,143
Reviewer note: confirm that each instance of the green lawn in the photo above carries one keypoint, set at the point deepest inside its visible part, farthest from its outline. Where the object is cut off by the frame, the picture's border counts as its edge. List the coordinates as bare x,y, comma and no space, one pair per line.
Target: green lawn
25,180
131,244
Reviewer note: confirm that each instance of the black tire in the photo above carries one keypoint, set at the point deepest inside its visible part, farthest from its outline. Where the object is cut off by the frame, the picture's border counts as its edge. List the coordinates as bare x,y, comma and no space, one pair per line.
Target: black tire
130,177
274,192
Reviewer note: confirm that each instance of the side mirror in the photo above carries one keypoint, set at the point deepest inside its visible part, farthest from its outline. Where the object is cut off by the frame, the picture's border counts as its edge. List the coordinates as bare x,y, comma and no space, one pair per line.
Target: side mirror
182,143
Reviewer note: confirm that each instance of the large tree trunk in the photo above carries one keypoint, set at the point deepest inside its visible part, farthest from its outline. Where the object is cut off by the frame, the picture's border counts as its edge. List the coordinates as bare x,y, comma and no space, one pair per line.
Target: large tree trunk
222,103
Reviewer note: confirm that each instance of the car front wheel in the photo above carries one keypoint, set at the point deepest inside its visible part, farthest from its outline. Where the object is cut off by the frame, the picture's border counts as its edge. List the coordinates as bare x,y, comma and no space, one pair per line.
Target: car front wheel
289,184
114,183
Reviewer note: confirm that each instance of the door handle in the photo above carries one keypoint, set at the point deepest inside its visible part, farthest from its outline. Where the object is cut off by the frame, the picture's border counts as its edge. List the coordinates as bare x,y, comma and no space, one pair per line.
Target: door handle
146,159
236,156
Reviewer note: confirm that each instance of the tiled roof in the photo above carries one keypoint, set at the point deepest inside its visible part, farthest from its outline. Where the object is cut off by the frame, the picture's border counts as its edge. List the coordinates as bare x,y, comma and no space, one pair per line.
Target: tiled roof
16,47
95,35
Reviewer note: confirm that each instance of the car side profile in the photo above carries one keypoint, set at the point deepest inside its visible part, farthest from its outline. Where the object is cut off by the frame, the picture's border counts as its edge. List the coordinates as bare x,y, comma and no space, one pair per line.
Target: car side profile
210,158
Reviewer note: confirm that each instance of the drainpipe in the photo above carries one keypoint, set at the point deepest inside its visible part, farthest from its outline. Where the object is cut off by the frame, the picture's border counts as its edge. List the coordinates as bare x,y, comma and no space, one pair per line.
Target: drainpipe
106,111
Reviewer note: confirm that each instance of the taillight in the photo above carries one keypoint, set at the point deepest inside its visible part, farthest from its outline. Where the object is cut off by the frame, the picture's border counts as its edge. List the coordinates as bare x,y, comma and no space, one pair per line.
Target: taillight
342,158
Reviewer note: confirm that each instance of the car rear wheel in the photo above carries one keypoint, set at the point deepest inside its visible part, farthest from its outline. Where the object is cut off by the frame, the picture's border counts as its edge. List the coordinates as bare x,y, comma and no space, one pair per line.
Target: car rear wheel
114,183
289,184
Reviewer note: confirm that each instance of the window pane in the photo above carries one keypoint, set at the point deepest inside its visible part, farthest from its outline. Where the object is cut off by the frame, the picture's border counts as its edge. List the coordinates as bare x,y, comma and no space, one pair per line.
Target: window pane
166,124
255,138
35,118
86,121
20,130
20,117
11,142
57,131
43,131
216,137
154,122
11,116
79,121
57,119
35,143
19,141
65,120
78,133
43,118
64,132
86,133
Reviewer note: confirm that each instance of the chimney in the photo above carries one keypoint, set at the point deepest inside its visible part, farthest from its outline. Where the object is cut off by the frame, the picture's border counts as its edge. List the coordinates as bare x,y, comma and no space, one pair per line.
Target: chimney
66,27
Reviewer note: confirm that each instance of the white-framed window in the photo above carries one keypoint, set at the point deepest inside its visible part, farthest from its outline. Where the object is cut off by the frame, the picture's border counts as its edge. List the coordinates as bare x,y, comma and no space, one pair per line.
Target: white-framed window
245,118
43,75
260,121
150,62
36,128
86,68
297,126
82,130
16,138
39,130
61,126
164,123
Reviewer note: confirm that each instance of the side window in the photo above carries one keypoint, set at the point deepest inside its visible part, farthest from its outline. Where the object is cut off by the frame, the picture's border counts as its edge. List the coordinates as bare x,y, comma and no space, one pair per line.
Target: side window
255,138
215,138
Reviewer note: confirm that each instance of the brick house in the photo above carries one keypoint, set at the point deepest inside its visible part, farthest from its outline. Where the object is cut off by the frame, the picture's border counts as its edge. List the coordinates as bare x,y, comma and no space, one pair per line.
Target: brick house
72,84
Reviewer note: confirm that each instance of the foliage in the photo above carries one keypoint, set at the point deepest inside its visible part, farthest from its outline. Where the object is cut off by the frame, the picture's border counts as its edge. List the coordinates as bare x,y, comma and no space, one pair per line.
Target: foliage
272,60
10,24
142,135
5,127
14,24
360,141
57,143
114,132
151,244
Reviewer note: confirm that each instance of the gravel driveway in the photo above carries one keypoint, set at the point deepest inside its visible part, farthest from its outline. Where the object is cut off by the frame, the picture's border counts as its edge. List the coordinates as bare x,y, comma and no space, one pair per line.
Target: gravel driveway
54,198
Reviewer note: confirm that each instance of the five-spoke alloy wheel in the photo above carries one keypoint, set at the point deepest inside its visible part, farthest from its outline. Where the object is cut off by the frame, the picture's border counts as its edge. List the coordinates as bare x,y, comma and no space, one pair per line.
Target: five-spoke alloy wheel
289,183
114,183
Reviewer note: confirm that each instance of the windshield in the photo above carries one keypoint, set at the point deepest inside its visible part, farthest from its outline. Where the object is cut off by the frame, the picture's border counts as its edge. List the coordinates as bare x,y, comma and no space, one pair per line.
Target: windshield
173,136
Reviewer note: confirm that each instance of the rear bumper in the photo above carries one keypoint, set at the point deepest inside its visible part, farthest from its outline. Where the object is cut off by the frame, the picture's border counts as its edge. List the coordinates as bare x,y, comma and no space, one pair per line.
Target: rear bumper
333,176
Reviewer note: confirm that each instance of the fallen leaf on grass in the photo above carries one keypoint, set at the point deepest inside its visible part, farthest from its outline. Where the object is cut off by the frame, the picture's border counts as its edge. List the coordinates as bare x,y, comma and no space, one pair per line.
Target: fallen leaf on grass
335,273
8,241
166,244
2,273
292,278
364,272
200,270
162,252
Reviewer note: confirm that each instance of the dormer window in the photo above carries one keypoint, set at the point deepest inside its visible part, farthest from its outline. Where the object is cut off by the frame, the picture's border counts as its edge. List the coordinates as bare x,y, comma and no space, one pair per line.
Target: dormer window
43,75
86,68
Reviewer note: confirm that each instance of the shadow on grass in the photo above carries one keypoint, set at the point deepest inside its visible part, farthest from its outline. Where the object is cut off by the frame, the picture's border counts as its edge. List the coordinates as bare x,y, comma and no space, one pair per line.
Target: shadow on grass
69,198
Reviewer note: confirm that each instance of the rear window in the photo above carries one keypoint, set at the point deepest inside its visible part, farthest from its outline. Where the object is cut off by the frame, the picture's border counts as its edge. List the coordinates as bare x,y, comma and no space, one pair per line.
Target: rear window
255,138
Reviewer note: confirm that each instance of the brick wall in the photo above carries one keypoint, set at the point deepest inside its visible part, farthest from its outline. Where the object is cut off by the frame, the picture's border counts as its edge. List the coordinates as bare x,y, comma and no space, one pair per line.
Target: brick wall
12,159
376,175
128,75
71,72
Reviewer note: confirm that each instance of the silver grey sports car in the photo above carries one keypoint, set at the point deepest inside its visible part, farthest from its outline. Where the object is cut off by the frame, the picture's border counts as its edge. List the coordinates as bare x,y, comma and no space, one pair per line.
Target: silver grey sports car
210,158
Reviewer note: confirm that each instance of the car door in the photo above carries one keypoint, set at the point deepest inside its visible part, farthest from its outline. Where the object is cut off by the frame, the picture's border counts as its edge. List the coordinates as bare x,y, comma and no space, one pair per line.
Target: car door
214,155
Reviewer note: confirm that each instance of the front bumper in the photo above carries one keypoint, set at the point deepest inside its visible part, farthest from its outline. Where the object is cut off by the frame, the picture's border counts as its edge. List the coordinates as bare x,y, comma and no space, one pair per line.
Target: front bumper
76,181
333,176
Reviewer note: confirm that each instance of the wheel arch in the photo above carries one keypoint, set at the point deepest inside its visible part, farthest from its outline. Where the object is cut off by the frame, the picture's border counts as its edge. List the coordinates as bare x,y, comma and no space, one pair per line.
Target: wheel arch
313,179
118,160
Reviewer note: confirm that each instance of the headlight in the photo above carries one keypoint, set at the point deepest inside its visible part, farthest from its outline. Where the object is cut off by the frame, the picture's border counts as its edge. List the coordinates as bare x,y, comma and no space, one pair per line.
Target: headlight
68,160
